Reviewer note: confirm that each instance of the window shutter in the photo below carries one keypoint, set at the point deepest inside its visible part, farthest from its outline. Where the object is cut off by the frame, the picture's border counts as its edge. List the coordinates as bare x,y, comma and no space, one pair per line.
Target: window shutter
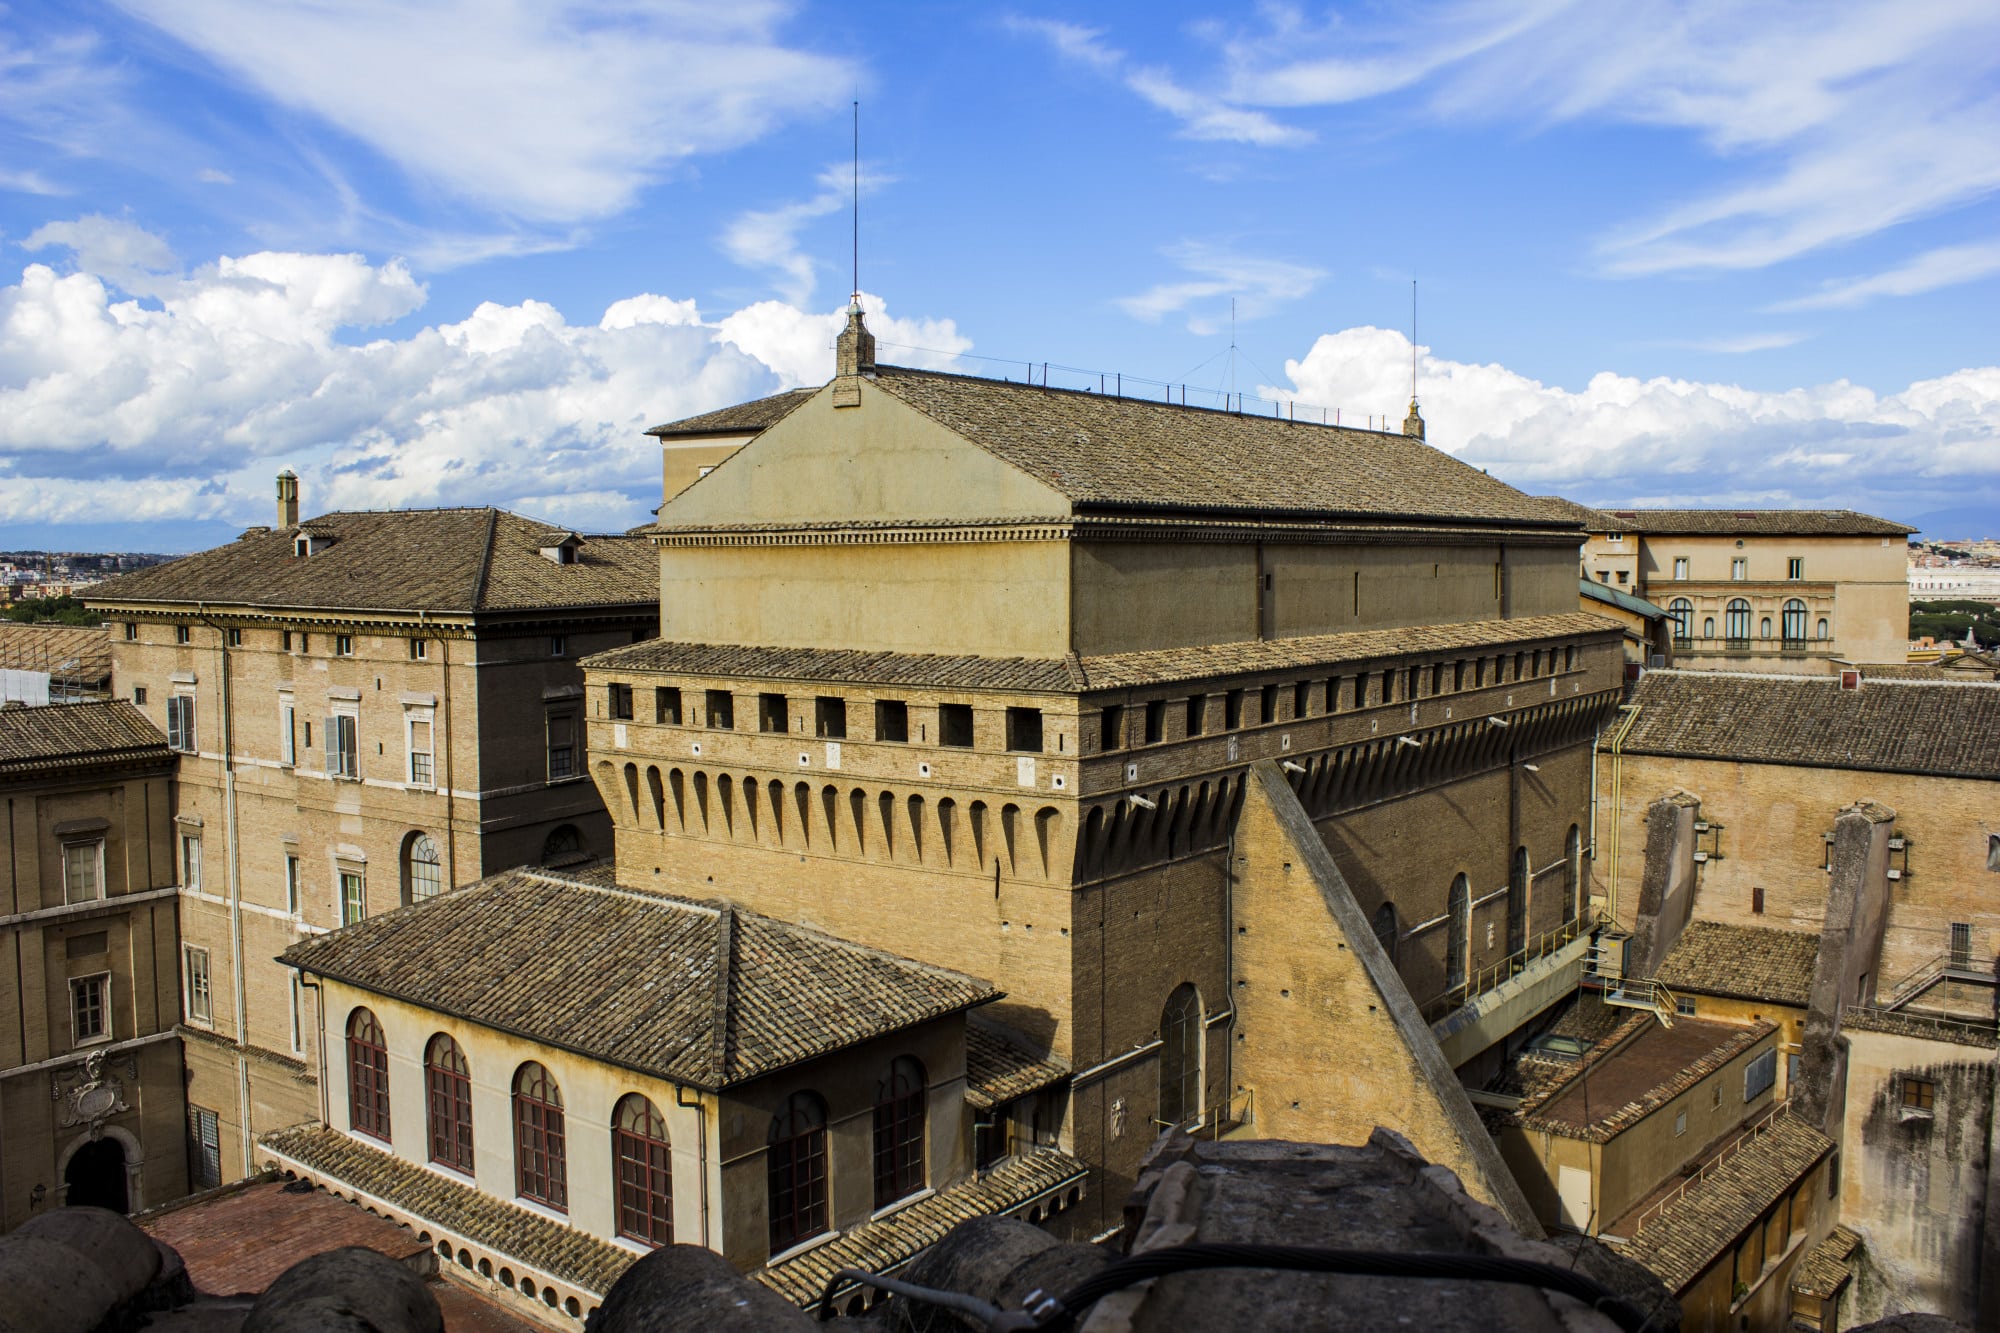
332,745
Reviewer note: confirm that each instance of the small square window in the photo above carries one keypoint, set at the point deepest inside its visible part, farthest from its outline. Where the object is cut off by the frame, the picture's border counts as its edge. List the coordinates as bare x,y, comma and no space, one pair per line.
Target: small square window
667,705
235,638
619,699
1267,704
1156,721
955,725
420,649
774,713
1680,1123
1795,568
353,897
1624,576
1680,568
1919,1095
131,631
343,645
1739,569
181,634
1024,730
558,645
1302,698
1684,1006
285,639
830,717
721,710
1232,710
138,694
1111,733
1197,714
90,1008
83,871
892,721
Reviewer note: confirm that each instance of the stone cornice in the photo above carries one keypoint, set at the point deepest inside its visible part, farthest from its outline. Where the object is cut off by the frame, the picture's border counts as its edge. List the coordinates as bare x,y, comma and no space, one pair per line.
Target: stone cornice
1089,527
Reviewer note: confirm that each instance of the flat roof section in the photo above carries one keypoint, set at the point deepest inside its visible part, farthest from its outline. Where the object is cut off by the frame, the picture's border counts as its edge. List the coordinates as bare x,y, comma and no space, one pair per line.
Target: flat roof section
1622,1088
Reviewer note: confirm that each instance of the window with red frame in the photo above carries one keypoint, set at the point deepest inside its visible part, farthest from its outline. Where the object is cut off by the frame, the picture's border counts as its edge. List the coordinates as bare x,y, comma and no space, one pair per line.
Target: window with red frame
796,1165
367,1076
644,1171
541,1171
899,1132
448,1092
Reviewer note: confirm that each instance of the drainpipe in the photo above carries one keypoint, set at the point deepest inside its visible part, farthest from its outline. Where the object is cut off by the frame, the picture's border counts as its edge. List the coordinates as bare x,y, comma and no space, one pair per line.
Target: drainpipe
319,1022
1631,712
450,753
235,886
701,1153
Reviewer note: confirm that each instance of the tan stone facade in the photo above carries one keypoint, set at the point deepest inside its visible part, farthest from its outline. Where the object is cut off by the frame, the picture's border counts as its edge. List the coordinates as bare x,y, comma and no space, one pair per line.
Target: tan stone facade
91,976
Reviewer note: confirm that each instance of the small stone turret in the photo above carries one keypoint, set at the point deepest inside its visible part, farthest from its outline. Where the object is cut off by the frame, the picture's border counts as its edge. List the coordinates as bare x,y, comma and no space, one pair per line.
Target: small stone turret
288,499
854,356
1413,424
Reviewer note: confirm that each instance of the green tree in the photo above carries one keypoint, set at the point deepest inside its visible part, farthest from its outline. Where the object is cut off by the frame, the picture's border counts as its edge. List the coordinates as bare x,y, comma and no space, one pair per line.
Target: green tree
64,610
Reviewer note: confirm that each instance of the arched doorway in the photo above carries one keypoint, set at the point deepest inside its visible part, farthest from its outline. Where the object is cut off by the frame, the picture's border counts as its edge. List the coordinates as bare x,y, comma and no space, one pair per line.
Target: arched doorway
96,1176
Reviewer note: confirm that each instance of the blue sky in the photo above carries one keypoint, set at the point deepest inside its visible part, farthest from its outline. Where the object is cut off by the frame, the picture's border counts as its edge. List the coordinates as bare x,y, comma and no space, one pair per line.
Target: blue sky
465,251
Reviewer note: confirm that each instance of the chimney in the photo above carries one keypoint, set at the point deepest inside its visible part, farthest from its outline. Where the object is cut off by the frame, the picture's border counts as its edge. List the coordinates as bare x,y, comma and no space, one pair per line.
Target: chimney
854,356
1413,424
288,499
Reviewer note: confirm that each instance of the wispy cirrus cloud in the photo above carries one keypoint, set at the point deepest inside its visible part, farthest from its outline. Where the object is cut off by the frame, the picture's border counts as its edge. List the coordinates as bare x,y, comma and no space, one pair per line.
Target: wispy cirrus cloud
1739,343
1202,114
769,238
1944,267
1256,284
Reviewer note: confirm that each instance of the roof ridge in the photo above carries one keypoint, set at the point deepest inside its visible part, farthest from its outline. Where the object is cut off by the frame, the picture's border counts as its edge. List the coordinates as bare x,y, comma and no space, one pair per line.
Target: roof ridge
725,973
485,558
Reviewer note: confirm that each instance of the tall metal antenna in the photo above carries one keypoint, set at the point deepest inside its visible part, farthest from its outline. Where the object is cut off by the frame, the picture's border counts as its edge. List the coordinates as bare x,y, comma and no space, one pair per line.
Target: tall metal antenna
1413,341
857,201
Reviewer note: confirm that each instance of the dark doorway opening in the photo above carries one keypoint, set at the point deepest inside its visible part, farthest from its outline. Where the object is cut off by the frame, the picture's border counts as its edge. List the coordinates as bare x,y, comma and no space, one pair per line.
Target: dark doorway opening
96,1177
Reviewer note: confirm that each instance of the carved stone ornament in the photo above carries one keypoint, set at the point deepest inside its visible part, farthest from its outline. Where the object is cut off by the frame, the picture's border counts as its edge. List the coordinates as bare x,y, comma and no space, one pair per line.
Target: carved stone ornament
90,1093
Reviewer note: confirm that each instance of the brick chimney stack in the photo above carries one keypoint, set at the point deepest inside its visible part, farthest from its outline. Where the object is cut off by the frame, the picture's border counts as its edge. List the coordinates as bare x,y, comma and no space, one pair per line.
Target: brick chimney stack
288,499
854,356
1413,424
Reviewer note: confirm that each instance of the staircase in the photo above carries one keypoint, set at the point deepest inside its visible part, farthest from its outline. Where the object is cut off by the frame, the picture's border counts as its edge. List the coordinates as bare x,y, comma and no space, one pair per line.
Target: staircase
1604,969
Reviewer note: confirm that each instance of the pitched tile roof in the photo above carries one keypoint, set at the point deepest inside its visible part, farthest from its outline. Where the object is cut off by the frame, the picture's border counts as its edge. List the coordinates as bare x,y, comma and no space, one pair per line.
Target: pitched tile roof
1132,454
1748,962
78,651
338,1160
740,419
700,993
1889,726
887,1243
1100,671
1964,667
1685,1237
1827,1266
1753,523
1928,1027
1639,1077
999,1067
439,560
62,736
1593,520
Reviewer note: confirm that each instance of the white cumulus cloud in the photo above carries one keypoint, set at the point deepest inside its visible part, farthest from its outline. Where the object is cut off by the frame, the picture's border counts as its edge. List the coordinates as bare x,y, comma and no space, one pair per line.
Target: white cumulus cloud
1669,441
180,404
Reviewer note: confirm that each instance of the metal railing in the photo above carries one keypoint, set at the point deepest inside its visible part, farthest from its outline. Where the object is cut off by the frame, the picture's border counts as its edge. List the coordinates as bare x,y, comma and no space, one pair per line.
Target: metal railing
1713,1164
1490,976
1984,1028
1643,993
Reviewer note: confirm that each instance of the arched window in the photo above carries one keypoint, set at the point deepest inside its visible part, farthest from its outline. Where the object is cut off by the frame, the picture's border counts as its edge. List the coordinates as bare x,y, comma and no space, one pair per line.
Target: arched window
367,1076
448,1092
1572,872
796,1171
1517,902
1180,1056
1824,629
1794,625
1736,622
1681,612
644,1168
899,1132
564,847
541,1170
1387,931
1458,932
423,876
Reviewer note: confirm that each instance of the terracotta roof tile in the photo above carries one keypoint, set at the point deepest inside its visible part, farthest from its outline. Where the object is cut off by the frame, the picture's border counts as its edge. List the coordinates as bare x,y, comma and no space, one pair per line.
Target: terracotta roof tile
79,651
1081,674
1753,522
1685,1237
1747,962
1827,1266
337,1159
438,560
740,419
1927,1027
59,736
999,1067
887,1243
1639,1077
1944,729
700,993
1133,454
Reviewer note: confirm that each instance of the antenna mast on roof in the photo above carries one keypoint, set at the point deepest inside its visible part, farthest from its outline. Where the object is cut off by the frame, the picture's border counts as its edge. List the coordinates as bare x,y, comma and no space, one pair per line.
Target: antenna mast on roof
857,201
1413,341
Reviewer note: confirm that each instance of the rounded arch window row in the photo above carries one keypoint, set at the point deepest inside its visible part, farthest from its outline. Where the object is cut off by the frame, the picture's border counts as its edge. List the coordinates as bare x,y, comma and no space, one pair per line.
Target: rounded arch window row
641,1150
1143,722
798,1178
1794,624
940,831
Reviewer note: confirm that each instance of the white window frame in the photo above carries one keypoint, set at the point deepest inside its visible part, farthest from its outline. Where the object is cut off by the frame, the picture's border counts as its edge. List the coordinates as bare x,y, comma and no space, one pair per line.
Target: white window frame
197,986
294,893
288,730
183,723
190,864
1739,569
1680,569
77,1038
340,879
412,718
343,742
92,850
